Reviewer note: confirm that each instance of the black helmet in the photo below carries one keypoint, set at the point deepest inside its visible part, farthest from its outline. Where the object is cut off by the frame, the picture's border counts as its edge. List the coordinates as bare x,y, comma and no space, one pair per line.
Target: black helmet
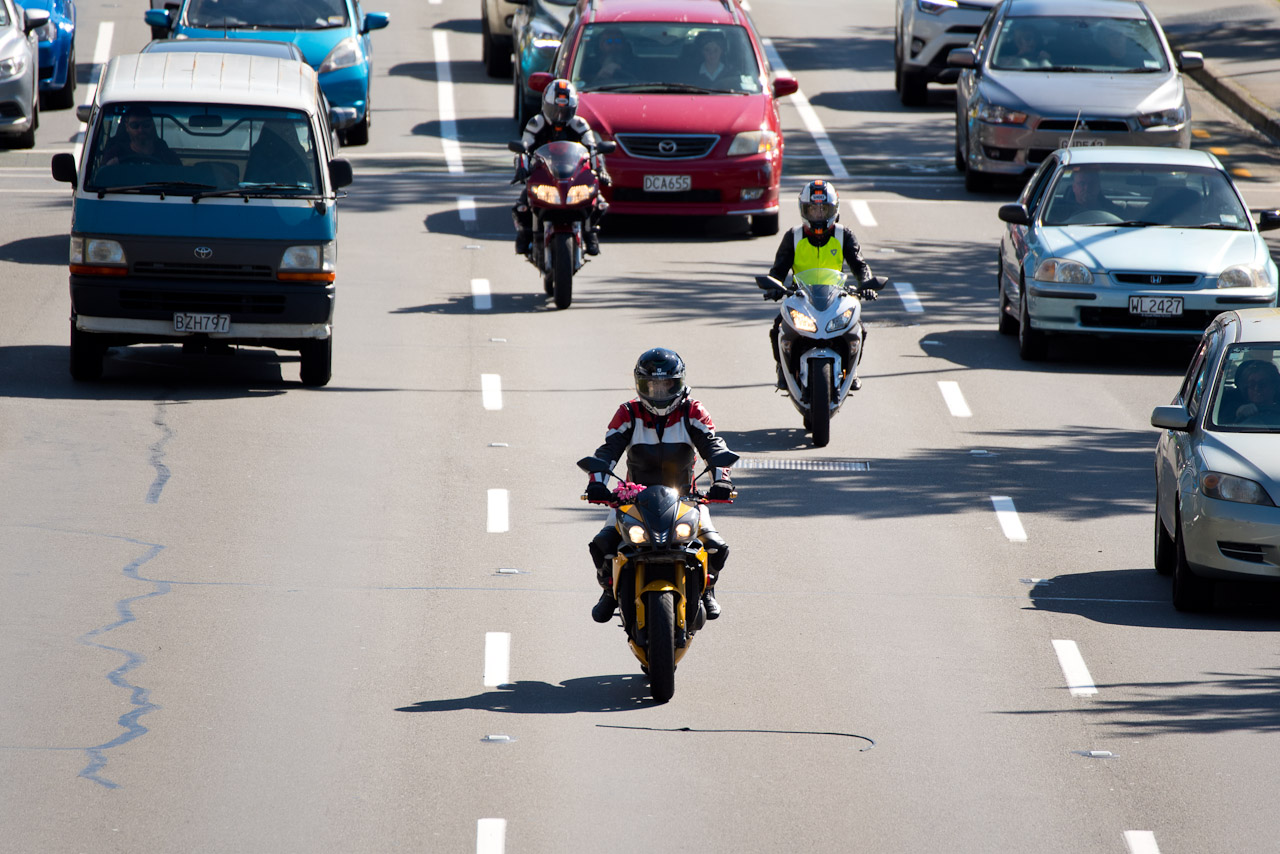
660,380
559,102
819,206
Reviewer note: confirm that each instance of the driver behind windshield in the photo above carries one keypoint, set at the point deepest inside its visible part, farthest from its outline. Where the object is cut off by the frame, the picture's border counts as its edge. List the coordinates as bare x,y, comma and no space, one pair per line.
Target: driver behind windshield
136,141
282,14
1079,194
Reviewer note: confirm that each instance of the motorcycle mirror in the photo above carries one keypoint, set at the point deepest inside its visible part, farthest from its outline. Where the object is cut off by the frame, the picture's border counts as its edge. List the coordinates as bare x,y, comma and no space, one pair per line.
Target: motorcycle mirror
606,146
881,282
725,459
515,146
764,283
593,465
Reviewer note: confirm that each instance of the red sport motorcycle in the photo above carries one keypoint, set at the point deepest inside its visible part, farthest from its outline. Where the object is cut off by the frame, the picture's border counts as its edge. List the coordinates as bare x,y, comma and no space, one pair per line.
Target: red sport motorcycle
564,196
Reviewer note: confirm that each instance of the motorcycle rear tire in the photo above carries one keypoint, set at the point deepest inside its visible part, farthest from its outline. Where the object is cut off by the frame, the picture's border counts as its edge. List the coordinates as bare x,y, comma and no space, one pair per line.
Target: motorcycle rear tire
820,404
660,613
562,268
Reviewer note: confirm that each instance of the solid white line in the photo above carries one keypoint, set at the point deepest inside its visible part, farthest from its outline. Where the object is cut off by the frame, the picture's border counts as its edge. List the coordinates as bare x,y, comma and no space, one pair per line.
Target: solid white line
497,659
862,211
1008,518
448,115
491,836
1141,842
498,521
1074,669
101,53
955,400
491,391
811,121
908,296
480,298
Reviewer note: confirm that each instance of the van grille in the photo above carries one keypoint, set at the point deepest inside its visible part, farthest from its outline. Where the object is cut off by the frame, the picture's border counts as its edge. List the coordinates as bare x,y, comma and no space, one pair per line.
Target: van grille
203,302
170,269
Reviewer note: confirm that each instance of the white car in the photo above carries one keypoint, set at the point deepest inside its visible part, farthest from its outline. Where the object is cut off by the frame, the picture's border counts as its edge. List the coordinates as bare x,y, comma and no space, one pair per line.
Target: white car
495,28
926,31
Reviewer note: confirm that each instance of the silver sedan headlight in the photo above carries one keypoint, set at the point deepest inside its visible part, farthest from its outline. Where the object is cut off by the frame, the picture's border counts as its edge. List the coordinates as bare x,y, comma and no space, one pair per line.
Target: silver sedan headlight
995,114
1064,272
1163,118
936,7
12,66
1240,277
1228,487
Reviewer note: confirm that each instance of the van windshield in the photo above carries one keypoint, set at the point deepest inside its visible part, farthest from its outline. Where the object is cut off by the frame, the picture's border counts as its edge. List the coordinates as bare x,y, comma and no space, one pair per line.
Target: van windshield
195,148
257,15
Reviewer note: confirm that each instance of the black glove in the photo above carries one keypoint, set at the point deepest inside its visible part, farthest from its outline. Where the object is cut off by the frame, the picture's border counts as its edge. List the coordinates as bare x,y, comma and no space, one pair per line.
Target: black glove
599,493
721,490
867,294
775,293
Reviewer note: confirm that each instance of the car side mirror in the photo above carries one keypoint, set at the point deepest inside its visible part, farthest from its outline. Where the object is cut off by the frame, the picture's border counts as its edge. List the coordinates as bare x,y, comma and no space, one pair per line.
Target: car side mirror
963,57
342,117
1015,213
34,19
538,81
784,86
606,146
1171,418
340,173
1190,60
1268,220
375,21
158,19
63,166
84,112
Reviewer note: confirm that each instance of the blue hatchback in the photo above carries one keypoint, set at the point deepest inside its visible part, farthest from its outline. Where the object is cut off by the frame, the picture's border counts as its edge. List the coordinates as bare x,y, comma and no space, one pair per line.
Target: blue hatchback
57,51
332,34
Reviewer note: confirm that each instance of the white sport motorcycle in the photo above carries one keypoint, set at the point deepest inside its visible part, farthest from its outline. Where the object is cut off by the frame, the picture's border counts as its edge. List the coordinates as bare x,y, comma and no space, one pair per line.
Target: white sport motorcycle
820,341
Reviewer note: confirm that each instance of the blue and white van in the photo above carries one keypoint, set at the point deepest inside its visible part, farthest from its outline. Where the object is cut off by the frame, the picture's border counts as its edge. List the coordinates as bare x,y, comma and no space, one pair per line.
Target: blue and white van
205,209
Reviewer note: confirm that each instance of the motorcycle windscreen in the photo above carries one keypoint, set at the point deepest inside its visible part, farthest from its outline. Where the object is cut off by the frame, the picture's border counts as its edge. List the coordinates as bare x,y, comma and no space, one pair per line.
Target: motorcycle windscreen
823,286
562,158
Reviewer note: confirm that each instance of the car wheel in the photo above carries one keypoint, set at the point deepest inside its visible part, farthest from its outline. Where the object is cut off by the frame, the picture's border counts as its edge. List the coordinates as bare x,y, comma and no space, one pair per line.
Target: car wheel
359,134
763,225
1191,593
27,139
86,354
1006,324
914,91
1164,554
897,60
975,181
66,96
1031,344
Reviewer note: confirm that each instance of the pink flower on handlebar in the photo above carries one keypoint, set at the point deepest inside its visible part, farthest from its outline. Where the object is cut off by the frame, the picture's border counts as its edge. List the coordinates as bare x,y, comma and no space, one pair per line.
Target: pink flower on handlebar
627,491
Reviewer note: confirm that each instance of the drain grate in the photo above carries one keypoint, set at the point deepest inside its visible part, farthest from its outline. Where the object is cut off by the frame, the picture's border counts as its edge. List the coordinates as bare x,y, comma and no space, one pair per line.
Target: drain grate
804,465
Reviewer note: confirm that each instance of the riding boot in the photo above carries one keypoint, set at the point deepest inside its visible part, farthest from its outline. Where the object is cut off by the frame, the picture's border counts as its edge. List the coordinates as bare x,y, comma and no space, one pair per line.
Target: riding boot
602,611
709,601
592,240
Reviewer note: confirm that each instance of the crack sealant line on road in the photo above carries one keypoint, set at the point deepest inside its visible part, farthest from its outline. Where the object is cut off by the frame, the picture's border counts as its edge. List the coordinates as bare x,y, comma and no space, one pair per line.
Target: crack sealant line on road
810,118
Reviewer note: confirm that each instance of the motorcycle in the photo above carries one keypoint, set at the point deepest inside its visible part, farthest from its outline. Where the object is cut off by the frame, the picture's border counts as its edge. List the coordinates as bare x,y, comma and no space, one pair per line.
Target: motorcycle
563,192
660,570
820,341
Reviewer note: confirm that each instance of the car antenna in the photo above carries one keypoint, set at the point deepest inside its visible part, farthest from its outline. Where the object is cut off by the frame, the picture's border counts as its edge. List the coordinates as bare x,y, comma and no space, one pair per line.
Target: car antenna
1075,125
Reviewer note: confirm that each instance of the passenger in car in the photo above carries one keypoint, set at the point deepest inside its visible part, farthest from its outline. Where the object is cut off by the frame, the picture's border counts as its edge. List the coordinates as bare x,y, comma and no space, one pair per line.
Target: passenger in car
1082,201
711,47
1260,381
138,142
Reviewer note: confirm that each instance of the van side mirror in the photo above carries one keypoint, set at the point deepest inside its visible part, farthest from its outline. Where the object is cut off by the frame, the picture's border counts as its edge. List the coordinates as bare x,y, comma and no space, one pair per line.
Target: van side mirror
1171,418
84,112
375,21
1190,60
158,19
963,57
340,173
63,167
784,86
1014,213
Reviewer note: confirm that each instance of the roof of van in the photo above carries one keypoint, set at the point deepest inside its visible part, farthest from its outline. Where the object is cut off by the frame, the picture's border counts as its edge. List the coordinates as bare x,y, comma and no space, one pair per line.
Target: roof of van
219,78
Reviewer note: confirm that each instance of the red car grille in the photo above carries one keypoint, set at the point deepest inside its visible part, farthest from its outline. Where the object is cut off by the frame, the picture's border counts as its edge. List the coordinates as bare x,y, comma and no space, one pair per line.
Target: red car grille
656,146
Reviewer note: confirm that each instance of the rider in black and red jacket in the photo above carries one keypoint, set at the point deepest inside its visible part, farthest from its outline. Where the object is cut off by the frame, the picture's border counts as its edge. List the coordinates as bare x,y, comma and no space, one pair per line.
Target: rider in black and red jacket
659,431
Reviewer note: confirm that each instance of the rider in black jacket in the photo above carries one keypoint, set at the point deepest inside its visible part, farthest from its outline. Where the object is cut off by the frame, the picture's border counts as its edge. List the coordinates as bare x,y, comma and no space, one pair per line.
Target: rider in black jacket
659,431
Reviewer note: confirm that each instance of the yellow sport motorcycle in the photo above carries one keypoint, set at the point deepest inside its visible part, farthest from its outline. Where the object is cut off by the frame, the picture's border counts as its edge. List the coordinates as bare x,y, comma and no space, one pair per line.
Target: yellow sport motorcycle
659,571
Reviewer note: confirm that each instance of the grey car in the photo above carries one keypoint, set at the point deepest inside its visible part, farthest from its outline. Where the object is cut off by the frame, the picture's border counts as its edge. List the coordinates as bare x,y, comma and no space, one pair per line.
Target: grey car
926,31
535,32
19,73
1218,462
1050,74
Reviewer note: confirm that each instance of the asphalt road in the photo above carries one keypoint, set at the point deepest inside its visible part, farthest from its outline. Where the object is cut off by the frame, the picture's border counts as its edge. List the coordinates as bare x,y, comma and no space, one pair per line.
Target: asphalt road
245,616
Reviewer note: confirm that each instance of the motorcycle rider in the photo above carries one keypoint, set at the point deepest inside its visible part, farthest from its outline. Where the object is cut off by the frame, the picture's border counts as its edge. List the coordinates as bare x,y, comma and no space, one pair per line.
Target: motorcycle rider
819,243
559,120
659,430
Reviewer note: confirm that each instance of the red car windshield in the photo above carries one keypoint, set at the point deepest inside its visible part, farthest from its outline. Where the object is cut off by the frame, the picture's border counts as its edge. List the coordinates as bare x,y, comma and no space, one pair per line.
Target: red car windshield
666,57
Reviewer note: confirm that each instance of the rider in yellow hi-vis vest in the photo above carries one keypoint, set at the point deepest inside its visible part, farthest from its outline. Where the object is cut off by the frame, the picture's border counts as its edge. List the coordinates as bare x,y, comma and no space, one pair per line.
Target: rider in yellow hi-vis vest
818,243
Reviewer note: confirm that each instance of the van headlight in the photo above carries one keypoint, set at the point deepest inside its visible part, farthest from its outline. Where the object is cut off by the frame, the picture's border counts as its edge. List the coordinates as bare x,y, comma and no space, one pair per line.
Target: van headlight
1239,277
345,54
96,252
311,256
753,142
1063,271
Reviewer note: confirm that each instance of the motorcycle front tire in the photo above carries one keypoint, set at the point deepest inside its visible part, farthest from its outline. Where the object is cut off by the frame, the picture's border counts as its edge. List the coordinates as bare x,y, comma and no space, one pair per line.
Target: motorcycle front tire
820,404
562,268
660,615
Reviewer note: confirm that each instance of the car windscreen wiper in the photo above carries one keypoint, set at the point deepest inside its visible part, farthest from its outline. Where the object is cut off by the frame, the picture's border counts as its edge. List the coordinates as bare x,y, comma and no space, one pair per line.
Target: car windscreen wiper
1135,223
245,190
160,187
1221,226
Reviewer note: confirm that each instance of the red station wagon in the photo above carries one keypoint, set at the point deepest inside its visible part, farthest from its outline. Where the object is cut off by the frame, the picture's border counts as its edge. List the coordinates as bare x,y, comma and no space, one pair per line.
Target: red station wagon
683,87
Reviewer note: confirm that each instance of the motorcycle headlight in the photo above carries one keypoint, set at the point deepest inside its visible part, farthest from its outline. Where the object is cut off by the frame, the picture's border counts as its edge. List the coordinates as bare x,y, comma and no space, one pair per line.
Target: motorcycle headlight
12,66
840,322
684,531
936,7
753,142
802,321
1063,271
1163,118
997,115
545,193
345,54
579,193
1226,487
1239,277
636,534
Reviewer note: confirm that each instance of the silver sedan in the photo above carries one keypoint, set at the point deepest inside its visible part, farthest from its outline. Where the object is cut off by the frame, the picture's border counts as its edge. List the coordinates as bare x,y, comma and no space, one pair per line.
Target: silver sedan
1049,74
19,73
1218,462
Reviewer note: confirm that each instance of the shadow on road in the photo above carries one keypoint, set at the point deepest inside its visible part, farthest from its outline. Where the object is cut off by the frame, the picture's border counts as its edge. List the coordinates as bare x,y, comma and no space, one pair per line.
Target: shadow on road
589,694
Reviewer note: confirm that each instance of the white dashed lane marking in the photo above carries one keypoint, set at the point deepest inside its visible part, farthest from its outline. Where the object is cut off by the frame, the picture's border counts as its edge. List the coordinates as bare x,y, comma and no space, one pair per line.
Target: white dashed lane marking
1007,516
1141,842
498,521
444,94
810,118
954,399
1073,668
481,300
497,659
491,391
907,294
491,836
101,54
862,211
